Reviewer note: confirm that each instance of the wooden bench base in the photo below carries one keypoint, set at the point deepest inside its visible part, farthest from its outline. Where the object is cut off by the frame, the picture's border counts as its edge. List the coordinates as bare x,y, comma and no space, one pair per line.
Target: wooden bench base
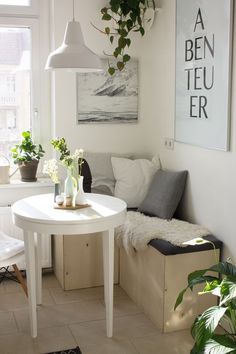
153,281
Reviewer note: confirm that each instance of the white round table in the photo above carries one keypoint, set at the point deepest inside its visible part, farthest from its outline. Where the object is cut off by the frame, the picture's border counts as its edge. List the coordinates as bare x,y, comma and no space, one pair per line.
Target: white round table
36,216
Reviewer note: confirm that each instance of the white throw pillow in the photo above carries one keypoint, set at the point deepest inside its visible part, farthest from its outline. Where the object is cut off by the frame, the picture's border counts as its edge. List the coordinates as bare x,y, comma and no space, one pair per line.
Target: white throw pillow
133,178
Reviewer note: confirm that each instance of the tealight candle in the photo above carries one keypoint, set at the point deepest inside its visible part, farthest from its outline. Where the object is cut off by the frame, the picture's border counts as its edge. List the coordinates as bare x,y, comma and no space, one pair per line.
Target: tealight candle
59,199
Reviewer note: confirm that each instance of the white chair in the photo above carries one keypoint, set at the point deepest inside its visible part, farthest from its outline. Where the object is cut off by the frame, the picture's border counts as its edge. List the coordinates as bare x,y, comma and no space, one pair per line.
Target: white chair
11,253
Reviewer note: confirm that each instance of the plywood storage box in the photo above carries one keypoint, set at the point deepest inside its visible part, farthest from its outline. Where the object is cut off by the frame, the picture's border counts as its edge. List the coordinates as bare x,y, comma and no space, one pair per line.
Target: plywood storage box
153,280
78,260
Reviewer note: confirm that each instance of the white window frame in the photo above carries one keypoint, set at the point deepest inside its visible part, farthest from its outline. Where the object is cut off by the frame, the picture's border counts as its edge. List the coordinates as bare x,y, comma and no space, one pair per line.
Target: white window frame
31,10
33,24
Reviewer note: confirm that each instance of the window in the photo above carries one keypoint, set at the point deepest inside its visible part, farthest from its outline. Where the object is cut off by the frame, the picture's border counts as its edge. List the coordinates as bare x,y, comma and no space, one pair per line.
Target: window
15,2
19,7
18,78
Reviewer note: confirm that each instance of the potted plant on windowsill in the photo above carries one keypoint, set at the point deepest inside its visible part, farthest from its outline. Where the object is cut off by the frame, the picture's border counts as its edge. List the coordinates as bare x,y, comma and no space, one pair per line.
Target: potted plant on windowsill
27,155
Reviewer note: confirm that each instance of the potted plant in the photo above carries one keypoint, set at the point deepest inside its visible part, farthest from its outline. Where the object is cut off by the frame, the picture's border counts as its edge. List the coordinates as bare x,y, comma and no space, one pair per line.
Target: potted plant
124,17
214,331
27,155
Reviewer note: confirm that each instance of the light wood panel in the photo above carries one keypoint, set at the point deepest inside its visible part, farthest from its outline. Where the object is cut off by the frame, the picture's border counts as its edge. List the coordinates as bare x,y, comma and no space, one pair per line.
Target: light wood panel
154,281
78,260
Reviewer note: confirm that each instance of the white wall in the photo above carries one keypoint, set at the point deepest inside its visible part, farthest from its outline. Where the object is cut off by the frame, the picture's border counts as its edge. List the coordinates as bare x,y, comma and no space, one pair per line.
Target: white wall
210,198
211,192
102,137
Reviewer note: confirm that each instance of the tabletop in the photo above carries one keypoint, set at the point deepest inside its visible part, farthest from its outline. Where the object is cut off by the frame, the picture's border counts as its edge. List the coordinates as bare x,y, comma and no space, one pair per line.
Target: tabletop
40,209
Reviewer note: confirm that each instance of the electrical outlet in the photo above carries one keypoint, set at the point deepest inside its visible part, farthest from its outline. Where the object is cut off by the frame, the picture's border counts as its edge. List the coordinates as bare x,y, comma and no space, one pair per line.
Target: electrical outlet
169,143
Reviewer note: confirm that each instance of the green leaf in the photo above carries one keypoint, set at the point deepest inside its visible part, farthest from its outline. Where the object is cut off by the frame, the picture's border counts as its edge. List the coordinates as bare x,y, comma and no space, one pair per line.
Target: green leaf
117,52
106,17
142,31
128,41
201,280
122,32
206,324
139,21
120,65
225,268
233,304
180,298
192,282
133,17
228,291
212,287
129,24
126,58
125,9
111,70
122,24
133,3
196,350
220,345
26,134
107,30
104,10
122,42
115,8
114,2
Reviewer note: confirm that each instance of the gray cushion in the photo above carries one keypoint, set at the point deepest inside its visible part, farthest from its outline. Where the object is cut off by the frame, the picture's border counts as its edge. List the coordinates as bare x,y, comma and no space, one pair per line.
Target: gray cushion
164,194
101,168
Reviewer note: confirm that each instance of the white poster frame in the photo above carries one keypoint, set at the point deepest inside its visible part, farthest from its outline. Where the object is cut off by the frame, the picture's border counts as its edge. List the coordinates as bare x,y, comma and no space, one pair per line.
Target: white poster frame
203,96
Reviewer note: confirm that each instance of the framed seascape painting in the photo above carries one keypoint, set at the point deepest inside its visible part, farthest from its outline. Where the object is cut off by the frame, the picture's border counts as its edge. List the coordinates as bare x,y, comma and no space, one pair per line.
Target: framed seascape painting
102,98
203,72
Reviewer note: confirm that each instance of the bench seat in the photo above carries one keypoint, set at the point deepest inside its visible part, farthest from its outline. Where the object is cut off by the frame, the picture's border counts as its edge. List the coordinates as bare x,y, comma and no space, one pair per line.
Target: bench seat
154,277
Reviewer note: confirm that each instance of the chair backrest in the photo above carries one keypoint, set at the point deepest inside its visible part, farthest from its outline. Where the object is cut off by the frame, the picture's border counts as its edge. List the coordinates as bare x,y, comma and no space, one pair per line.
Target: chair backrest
9,247
6,223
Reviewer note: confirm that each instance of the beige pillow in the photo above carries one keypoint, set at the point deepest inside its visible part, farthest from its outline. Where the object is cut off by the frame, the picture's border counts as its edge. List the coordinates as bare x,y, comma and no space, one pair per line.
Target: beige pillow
133,178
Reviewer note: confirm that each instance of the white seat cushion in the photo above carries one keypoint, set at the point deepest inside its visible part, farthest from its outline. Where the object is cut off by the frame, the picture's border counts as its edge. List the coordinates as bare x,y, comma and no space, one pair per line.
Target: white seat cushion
9,246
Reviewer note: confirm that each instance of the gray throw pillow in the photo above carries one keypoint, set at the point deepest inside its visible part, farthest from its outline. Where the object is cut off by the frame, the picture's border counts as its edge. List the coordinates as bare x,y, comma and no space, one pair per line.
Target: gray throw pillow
101,168
164,194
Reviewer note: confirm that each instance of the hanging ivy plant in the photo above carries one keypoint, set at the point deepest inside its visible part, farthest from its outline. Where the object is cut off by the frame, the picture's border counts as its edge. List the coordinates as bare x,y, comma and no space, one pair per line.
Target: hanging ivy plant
123,17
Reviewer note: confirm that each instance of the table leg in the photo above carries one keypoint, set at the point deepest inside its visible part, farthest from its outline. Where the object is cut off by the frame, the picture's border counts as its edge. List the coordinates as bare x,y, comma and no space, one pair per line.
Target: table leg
38,259
31,278
108,268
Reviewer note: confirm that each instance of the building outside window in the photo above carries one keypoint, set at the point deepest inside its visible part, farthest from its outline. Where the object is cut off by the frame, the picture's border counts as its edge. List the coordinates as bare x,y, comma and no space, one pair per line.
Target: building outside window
19,62
15,85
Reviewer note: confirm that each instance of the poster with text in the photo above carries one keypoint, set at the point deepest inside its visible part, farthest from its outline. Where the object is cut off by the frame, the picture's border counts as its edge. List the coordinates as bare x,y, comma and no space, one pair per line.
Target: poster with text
203,72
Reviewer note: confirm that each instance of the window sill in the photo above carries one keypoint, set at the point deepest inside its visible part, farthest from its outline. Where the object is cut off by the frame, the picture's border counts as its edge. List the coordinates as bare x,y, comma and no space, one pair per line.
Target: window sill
16,183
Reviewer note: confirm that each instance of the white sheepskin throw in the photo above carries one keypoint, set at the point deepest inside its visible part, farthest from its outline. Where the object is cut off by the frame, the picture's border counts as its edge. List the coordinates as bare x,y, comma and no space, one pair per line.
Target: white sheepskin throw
138,230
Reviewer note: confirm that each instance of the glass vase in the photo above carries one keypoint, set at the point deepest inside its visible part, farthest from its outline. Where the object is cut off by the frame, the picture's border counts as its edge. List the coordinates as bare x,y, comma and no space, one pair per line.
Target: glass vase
70,185
80,195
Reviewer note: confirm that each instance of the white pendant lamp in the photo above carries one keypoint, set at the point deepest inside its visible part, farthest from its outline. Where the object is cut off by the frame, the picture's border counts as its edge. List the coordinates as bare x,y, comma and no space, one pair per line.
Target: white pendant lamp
73,53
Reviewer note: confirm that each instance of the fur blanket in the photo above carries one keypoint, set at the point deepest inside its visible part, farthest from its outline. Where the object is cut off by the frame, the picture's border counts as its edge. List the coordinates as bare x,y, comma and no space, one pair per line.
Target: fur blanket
140,229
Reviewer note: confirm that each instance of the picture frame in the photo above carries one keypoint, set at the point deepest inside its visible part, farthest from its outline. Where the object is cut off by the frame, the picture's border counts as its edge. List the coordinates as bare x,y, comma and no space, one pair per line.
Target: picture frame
203,72
106,99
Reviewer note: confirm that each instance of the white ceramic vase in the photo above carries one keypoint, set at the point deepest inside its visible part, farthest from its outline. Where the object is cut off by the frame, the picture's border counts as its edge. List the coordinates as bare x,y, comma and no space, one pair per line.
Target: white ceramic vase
80,196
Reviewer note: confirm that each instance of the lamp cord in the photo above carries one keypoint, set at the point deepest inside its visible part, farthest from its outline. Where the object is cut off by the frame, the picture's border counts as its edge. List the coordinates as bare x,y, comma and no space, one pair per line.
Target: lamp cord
73,10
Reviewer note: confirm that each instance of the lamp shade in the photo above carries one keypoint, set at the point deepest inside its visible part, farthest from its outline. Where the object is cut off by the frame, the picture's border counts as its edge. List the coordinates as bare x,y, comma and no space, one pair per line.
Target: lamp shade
73,53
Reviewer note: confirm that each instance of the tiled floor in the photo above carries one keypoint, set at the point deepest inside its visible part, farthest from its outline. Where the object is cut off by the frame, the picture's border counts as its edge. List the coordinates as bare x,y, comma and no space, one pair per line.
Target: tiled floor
72,318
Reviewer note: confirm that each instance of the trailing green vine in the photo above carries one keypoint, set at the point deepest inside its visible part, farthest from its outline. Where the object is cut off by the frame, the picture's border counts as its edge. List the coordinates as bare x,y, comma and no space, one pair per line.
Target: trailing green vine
123,17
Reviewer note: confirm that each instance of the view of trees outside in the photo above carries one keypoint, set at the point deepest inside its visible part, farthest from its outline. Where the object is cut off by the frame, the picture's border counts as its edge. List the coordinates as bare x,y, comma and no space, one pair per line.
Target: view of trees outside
15,85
